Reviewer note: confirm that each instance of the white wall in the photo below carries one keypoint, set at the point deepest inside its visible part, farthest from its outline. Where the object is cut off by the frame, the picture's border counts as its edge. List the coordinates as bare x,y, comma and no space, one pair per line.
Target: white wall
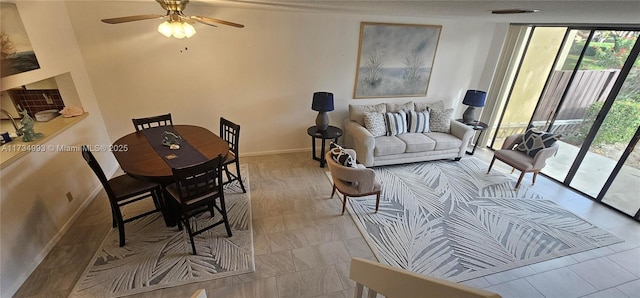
262,76
34,211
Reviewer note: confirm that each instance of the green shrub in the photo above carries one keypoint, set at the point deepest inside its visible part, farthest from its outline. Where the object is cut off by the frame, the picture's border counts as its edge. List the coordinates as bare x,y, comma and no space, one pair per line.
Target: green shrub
591,51
621,122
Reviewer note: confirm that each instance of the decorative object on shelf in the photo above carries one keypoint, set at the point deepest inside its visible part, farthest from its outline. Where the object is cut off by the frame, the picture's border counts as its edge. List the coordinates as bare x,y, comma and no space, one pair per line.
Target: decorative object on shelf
474,99
46,115
71,111
28,134
395,60
179,25
17,53
171,139
322,103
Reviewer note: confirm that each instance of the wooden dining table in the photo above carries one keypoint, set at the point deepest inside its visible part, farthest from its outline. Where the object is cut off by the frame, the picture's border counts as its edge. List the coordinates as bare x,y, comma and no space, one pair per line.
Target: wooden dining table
138,158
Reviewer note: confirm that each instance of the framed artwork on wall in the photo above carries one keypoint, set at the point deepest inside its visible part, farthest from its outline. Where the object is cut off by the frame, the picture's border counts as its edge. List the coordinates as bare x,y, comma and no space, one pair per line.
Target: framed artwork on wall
16,55
395,60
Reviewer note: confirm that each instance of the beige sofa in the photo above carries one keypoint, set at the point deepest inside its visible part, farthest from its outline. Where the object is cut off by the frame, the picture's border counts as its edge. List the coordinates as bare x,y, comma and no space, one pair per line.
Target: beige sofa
407,147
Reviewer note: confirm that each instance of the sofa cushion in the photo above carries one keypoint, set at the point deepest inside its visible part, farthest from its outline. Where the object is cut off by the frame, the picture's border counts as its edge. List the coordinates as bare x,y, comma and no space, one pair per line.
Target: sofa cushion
355,111
374,123
417,142
444,141
418,121
423,106
394,107
440,120
396,123
389,145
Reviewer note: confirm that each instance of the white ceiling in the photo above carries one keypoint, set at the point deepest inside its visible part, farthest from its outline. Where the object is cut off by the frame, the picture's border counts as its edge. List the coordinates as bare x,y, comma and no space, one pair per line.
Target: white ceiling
551,11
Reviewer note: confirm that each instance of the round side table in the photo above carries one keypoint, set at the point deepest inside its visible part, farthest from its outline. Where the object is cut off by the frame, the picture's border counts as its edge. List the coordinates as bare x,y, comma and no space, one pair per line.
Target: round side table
332,132
477,126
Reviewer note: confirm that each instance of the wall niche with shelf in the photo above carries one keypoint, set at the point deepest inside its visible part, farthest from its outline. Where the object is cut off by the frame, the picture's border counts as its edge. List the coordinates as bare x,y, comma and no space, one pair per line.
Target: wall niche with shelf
53,93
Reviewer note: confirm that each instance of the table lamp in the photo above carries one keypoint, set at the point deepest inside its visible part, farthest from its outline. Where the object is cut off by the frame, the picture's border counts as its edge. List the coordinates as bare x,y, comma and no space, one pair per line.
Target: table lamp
323,103
474,99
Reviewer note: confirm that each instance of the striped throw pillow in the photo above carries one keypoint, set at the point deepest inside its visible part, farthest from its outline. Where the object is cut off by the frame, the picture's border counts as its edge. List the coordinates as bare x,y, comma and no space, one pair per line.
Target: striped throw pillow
396,123
418,121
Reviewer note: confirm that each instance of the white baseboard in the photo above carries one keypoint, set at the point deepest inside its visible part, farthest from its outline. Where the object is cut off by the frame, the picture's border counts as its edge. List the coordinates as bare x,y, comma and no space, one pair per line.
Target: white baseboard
276,152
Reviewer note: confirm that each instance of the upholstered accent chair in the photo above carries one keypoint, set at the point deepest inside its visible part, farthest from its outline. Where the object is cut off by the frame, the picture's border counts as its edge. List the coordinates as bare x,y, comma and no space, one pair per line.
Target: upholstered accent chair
521,160
358,181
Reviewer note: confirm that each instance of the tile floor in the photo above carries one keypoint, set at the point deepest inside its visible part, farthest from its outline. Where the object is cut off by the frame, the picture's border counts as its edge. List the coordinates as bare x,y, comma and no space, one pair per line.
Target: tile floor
303,245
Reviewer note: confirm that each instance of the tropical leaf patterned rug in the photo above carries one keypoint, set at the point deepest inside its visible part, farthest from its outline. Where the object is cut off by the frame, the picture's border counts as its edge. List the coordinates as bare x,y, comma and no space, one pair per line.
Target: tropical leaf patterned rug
452,220
156,256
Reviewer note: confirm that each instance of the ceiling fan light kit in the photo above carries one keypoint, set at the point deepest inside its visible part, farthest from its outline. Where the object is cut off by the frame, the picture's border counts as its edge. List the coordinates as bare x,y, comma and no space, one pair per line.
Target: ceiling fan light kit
179,25
177,29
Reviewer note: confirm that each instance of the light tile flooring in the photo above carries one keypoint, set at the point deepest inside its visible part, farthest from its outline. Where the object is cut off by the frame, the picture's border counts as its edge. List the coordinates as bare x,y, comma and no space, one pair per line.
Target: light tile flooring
303,245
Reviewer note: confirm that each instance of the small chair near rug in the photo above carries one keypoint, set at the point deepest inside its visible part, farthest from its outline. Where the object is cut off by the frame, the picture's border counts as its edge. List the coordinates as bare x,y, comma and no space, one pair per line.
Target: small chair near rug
358,181
230,132
524,160
196,190
153,121
123,190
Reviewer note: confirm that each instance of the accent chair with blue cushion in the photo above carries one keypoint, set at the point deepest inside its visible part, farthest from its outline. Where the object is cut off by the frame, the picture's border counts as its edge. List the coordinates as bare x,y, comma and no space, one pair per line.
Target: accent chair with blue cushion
352,179
527,152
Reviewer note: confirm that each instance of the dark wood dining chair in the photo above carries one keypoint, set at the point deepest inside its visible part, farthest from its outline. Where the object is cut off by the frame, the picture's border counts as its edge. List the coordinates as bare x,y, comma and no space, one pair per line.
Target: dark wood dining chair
123,190
196,190
153,121
230,132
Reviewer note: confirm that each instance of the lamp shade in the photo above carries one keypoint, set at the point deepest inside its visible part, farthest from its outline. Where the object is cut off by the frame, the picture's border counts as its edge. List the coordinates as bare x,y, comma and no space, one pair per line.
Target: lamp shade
474,98
322,101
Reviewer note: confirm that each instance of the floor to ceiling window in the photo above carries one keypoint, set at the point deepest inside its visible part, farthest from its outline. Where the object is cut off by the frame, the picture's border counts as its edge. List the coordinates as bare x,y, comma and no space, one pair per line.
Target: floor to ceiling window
583,83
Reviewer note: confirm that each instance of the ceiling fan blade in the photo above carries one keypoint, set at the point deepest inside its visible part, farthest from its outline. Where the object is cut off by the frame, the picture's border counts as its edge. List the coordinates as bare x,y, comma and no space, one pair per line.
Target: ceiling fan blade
132,18
209,21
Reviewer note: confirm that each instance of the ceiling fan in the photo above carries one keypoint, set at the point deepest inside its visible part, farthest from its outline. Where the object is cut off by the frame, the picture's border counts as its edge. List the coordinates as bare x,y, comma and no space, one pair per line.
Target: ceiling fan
178,25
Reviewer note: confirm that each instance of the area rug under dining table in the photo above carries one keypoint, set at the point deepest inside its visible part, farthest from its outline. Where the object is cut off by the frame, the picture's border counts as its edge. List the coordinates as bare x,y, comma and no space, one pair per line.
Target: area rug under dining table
452,220
156,256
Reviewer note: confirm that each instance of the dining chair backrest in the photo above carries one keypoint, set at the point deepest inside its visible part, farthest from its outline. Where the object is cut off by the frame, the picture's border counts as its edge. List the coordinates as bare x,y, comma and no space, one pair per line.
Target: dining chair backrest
230,132
123,190
199,180
153,121
95,166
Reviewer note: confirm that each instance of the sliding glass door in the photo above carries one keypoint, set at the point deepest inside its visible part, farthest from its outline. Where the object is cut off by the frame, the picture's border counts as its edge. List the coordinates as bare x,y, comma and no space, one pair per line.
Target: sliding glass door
584,84
622,189
536,63
588,161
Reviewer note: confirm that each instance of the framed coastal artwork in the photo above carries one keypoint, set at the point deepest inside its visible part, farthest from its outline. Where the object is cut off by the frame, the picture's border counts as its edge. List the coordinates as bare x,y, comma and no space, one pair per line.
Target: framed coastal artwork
17,55
395,60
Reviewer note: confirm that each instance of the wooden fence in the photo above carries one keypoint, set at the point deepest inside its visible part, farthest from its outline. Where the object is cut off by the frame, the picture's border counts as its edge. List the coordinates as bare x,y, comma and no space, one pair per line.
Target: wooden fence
588,86
563,127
